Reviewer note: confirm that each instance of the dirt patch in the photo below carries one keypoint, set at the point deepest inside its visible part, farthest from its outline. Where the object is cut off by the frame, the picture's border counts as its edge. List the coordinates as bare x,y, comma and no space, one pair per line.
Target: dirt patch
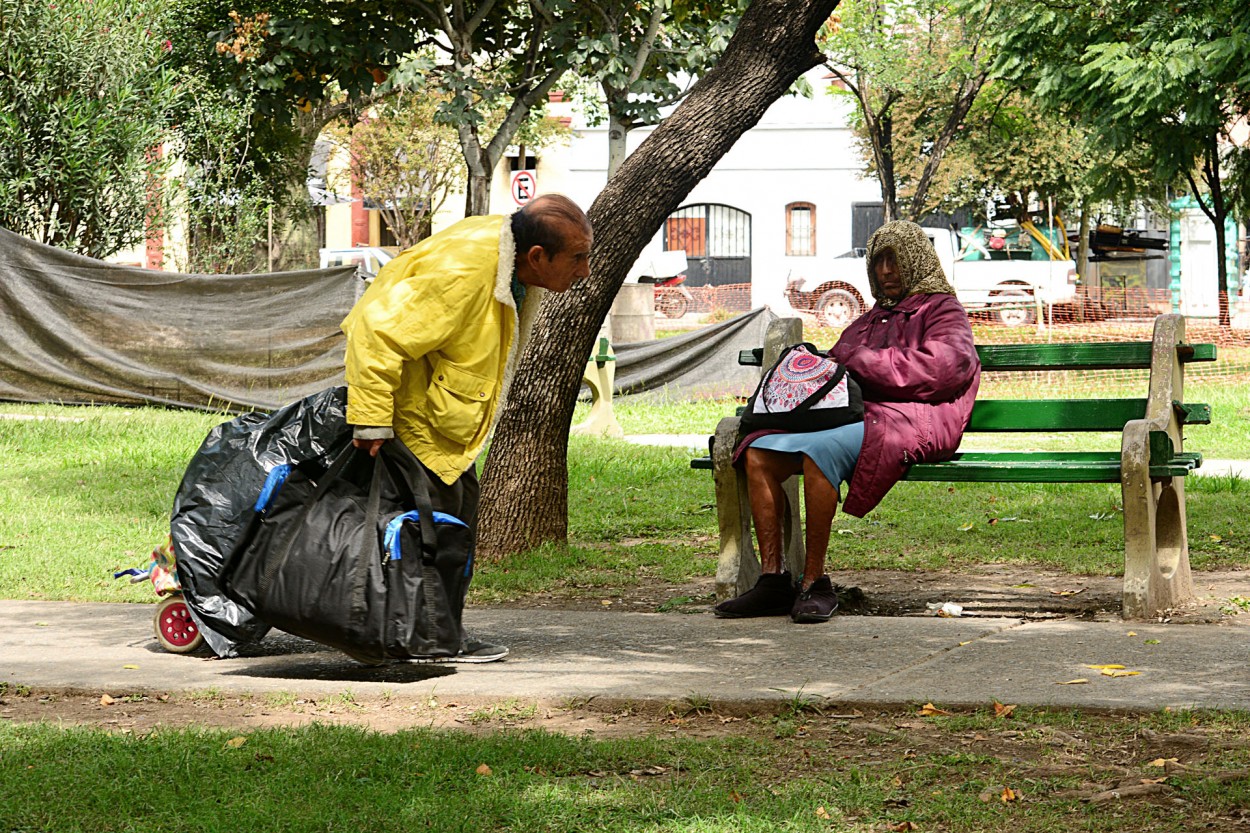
990,591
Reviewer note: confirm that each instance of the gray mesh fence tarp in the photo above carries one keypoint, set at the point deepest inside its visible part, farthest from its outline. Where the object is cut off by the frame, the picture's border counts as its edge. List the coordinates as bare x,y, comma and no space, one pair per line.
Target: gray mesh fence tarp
78,330
700,364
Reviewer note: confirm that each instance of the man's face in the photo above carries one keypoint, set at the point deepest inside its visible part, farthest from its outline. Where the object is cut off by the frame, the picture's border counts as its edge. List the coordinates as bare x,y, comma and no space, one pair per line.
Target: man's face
572,263
886,269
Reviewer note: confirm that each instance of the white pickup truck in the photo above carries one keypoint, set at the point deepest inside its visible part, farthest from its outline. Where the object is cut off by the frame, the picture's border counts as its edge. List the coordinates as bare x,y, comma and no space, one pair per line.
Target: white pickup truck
1011,290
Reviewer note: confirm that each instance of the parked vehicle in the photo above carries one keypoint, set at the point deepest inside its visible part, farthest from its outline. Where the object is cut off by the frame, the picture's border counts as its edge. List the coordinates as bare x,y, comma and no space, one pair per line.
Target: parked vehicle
984,272
367,259
672,300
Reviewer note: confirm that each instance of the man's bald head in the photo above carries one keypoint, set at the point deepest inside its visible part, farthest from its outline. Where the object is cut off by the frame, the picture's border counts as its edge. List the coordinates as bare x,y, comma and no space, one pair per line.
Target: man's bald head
546,221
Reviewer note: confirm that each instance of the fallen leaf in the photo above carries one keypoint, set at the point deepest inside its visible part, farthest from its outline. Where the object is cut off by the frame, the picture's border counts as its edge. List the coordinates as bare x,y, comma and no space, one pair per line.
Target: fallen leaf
1152,642
1153,780
41,624
483,769
1002,711
1009,795
1077,681
822,813
1025,584
131,667
1131,633
1162,762
1216,538
735,796
1067,592
961,644
236,741
105,700
1111,672
1112,666
930,710
903,827
966,527
605,602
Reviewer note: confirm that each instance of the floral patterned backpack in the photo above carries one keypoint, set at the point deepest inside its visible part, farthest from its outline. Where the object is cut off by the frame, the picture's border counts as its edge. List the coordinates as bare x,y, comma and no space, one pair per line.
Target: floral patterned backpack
804,391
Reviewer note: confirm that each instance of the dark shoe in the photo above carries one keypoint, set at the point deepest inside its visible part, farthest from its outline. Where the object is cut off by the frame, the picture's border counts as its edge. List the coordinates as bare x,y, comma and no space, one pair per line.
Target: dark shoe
772,595
472,650
817,603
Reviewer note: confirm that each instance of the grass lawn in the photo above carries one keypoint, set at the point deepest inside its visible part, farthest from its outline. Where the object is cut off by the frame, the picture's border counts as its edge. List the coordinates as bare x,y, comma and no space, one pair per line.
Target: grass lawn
690,769
86,491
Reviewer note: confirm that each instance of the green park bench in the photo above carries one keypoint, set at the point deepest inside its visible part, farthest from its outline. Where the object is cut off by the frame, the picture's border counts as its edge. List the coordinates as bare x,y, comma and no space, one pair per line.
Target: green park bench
1150,467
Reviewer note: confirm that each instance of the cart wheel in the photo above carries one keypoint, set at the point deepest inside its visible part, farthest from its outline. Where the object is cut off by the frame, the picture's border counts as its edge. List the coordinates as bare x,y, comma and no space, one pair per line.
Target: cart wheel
175,629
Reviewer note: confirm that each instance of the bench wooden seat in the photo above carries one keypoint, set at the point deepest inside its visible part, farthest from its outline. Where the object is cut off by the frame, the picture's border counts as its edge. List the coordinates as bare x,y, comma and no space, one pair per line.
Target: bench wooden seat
1150,466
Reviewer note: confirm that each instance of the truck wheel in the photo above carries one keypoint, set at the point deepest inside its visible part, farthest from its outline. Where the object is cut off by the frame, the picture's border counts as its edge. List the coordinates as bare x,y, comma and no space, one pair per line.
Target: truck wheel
1021,311
837,308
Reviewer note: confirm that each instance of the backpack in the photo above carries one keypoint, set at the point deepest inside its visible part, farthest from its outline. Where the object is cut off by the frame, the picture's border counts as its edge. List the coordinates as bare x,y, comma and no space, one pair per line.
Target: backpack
804,391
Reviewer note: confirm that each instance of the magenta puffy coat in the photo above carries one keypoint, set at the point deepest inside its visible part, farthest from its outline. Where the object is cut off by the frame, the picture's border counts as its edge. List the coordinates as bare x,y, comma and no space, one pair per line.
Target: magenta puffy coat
919,372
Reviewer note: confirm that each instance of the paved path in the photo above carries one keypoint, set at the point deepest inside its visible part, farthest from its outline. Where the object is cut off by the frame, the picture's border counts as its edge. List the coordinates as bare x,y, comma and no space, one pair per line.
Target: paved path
558,655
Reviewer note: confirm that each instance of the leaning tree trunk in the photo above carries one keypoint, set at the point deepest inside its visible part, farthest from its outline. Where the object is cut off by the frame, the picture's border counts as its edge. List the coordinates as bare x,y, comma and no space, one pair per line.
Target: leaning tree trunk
525,485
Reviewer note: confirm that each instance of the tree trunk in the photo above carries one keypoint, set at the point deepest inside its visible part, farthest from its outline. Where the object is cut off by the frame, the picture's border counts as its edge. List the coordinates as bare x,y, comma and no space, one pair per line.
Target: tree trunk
525,484
618,132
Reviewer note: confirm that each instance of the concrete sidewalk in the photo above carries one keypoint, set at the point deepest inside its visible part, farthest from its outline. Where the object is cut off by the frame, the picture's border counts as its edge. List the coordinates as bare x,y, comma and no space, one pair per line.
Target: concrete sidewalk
558,655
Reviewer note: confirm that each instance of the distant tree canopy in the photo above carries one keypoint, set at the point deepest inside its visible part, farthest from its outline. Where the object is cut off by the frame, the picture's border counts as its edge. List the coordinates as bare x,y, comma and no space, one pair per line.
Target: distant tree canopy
1172,79
85,101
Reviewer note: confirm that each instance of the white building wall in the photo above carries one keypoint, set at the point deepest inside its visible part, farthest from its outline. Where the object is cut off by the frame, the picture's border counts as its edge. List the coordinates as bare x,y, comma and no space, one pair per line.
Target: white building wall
801,151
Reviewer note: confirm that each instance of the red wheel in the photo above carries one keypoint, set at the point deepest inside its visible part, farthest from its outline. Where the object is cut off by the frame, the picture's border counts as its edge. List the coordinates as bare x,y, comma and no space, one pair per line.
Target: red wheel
175,629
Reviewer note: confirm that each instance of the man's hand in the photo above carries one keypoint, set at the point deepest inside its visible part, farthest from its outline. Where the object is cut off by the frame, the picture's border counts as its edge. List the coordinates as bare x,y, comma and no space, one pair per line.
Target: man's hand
372,446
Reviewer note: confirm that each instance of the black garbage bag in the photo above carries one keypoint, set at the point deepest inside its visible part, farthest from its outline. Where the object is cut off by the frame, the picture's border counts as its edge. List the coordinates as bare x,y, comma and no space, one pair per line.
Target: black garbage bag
350,553
215,501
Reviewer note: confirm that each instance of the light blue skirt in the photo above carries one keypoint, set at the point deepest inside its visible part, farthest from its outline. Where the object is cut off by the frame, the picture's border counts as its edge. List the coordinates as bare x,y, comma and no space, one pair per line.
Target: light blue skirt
834,451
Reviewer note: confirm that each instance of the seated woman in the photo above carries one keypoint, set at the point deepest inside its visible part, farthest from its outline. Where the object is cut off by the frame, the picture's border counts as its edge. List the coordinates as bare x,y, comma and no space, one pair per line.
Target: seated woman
915,362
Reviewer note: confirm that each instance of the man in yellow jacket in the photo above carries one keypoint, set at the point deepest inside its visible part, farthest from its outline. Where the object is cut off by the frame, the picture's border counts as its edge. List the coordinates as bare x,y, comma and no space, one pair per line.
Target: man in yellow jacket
432,344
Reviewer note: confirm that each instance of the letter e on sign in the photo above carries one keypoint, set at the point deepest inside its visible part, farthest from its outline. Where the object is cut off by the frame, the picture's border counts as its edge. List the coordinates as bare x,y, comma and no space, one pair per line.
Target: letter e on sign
524,187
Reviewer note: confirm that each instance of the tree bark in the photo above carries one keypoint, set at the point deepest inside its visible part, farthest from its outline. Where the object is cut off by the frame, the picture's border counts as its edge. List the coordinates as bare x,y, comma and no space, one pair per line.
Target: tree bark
525,483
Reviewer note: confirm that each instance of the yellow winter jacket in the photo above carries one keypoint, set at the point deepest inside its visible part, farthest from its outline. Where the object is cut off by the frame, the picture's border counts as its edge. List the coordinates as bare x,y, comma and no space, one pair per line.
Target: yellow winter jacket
432,344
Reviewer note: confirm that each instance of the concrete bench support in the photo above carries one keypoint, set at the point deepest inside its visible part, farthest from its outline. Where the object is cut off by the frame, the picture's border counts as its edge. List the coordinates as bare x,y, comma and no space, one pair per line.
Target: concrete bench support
1156,541
600,376
739,565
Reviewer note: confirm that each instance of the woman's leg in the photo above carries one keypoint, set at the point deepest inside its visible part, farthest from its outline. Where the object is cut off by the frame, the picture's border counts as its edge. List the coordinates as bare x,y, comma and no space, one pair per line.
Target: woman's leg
820,503
766,472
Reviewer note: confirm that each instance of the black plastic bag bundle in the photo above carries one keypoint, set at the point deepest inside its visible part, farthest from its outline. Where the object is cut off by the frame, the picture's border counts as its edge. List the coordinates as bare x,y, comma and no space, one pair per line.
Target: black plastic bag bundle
215,501
351,554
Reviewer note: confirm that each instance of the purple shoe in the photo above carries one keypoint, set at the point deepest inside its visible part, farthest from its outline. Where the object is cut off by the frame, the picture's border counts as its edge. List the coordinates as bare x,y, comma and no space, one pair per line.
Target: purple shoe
816,604
772,595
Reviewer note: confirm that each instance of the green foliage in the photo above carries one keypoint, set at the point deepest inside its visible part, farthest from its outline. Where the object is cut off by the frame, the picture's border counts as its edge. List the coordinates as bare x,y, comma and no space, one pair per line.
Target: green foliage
1164,81
917,68
403,160
85,97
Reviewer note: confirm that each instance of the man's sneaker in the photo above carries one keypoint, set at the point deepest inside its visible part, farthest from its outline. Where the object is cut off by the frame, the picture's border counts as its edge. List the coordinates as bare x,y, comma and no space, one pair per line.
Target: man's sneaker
772,595
817,603
475,650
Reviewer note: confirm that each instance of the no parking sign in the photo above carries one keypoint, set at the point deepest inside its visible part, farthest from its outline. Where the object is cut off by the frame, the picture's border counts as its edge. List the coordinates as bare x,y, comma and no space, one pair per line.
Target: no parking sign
524,187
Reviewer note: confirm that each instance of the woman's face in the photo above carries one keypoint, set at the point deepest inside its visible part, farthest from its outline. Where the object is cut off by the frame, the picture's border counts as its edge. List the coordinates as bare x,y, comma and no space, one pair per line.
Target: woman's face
886,269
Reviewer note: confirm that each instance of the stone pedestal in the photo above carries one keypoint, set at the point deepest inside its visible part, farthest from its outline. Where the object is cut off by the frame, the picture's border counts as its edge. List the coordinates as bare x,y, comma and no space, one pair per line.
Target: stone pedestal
632,317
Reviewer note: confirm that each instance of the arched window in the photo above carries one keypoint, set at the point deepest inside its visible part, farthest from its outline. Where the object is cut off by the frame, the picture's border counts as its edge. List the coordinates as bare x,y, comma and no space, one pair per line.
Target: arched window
801,229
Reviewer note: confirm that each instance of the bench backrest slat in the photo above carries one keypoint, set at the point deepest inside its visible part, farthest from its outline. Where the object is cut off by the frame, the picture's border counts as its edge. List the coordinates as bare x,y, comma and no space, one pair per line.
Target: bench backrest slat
1055,414
1115,355
1112,355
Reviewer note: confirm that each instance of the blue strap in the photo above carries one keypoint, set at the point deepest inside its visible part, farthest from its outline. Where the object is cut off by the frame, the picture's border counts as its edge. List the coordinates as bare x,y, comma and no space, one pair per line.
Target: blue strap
391,539
273,482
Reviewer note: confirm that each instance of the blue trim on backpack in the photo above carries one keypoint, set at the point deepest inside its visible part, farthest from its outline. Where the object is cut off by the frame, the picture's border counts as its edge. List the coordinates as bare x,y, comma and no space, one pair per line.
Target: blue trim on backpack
273,482
390,541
